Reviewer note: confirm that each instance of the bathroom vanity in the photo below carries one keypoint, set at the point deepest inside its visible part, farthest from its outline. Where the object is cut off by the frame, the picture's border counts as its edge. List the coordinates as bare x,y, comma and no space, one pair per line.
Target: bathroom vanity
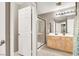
62,36
60,42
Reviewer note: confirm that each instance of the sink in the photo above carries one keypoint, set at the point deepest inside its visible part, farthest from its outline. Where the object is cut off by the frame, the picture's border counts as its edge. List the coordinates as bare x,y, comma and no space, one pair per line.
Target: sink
60,34
69,35
51,34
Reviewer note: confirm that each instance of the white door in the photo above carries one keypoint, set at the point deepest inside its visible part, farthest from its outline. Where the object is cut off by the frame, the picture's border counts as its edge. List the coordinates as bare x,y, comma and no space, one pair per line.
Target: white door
24,37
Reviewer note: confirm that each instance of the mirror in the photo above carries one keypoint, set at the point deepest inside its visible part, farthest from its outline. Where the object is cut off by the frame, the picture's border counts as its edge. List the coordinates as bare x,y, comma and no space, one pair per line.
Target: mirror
64,25
60,25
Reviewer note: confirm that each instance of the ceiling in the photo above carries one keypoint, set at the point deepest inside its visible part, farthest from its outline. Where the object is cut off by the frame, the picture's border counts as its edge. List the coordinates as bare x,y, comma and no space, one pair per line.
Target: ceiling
44,7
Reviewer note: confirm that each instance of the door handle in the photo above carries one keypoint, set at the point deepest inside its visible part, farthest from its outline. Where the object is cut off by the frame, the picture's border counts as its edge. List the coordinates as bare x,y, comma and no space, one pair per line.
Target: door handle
2,42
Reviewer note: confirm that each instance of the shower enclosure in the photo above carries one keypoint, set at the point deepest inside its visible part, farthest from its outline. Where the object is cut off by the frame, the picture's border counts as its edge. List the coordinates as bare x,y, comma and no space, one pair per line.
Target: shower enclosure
40,32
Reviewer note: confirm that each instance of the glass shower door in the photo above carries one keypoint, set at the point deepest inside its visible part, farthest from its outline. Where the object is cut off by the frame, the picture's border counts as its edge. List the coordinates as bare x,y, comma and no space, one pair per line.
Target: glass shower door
40,33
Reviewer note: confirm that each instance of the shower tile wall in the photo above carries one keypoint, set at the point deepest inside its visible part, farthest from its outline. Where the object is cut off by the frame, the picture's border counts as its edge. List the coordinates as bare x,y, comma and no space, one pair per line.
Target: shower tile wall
76,38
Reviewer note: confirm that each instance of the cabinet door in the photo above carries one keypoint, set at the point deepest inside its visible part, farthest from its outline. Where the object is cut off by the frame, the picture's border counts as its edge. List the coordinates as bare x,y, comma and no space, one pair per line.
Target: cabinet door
60,43
51,42
68,44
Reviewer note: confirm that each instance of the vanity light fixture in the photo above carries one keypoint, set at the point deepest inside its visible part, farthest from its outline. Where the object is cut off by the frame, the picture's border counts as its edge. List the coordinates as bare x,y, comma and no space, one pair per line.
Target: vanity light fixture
65,12
58,3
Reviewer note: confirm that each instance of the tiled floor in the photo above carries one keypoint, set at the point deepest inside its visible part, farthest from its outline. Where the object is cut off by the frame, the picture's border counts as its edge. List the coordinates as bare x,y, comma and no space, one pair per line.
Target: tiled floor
45,51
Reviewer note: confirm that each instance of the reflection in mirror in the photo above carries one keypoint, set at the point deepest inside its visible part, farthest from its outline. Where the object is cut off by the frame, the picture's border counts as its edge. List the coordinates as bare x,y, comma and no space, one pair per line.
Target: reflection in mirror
60,26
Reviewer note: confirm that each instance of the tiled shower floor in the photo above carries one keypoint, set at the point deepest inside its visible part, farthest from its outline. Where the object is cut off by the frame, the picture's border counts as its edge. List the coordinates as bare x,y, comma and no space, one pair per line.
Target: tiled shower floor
45,51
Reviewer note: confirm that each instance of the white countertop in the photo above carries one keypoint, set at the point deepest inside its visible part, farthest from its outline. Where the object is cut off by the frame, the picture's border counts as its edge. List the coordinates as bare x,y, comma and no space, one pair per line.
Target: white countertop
52,34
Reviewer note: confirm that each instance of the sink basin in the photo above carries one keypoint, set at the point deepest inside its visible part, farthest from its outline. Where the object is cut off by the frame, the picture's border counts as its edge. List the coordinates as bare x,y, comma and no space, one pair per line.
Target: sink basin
69,35
51,34
60,35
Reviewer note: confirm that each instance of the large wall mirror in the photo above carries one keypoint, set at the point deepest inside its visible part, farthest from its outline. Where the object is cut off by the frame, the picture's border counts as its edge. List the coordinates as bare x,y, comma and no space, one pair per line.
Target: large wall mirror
64,25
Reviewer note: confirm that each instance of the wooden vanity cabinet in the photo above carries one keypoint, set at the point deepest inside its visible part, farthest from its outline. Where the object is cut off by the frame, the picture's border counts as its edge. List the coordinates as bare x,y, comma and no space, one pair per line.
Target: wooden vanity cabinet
61,43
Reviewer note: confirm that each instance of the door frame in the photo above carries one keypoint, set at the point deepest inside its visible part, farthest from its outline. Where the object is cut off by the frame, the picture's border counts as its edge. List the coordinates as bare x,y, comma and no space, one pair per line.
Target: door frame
7,28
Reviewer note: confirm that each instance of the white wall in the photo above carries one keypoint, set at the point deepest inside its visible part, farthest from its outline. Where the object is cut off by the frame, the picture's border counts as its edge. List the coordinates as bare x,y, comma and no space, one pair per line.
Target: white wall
15,27
2,27
70,26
